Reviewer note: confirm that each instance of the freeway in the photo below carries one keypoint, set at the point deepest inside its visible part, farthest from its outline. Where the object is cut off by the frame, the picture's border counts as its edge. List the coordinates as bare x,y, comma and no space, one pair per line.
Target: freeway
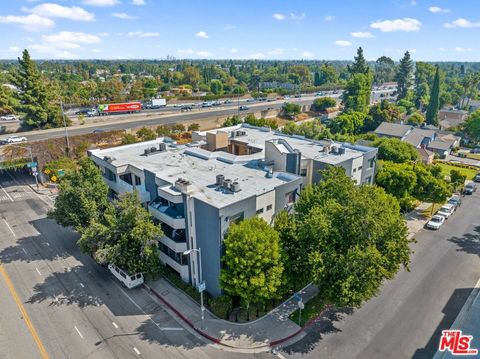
406,319
58,303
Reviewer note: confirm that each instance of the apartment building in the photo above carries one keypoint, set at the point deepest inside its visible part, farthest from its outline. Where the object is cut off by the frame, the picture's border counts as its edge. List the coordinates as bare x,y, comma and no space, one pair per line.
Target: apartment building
196,191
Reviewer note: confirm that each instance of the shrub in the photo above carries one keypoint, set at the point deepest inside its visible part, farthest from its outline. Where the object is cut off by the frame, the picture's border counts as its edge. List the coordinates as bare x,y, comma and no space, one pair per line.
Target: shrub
221,306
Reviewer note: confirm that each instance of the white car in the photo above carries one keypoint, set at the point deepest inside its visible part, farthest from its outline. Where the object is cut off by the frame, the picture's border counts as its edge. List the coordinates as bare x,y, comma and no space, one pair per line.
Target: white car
129,281
446,210
15,139
9,118
436,222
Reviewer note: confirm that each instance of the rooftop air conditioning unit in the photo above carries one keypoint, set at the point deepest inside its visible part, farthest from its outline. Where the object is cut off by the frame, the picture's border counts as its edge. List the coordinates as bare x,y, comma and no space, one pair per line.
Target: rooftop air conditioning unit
235,187
341,150
219,180
153,149
146,151
162,147
227,183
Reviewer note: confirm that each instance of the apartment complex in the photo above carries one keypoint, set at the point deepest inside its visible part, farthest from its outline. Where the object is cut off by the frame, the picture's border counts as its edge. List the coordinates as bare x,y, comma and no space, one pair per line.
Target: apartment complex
196,191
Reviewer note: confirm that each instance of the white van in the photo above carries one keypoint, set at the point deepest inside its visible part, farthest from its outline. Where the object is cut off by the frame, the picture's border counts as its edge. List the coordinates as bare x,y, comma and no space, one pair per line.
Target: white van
129,281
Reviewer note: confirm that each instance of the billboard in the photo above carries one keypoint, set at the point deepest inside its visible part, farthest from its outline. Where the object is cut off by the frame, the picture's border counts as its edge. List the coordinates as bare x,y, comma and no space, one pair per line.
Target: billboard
120,107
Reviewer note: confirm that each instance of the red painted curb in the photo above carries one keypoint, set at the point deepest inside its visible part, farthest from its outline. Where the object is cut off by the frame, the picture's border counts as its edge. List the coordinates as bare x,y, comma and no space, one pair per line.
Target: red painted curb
218,341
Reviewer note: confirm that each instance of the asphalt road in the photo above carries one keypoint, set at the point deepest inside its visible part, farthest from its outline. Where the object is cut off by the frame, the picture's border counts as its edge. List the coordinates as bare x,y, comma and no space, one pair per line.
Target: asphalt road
406,319
75,307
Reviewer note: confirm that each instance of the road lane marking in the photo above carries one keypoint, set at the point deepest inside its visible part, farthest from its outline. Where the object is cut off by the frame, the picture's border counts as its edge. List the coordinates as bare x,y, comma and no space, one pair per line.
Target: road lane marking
24,251
9,228
38,271
9,197
81,285
136,350
115,325
26,318
78,331
171,328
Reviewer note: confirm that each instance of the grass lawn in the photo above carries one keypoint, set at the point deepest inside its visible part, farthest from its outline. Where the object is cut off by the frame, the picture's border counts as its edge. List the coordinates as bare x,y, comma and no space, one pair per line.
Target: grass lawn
312,308
429,211
446,168
473,156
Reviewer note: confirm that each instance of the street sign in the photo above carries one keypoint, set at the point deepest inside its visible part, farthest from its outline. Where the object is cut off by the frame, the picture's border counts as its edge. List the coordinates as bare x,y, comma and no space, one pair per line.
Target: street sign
32,164
297,297
61,173
35,173
201,287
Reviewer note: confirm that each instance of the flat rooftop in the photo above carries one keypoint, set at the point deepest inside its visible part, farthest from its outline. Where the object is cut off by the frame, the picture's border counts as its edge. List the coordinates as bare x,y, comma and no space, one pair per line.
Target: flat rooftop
200,168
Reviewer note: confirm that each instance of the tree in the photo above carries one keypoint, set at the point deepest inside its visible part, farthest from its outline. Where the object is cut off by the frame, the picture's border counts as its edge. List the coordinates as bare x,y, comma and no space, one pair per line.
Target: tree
356,96
146,134
302,72
392,149
472,126
125,236
232,121
327,75
404,76
37,99
291,109
381,112
316,79
7,102
384,70
360,65
193,127
322,103
350,123
252,263
311,129
434,103
430,188
398,179
424,74
416,119
191,75
216,87
82,196
357,237
129,138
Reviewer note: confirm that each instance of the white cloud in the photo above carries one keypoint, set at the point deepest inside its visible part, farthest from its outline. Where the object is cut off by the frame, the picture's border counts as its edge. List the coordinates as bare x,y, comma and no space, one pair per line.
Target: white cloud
257,56
123,15
138,2
406,24
462,49
343,43
233,50
307,55
70,40
204,54
13,49
30,22
276,52
329,18
74,13
141,33
437,9
101,2
460,22
297,17
278,16
362,34
202,34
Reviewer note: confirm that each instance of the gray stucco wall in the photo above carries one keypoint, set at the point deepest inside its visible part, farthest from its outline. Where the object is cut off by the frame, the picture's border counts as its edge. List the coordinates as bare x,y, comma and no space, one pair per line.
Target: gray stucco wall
150,184
281,191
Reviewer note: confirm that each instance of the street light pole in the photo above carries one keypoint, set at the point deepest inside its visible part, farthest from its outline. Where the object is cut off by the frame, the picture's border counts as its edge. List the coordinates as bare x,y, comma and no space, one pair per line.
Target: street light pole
200,280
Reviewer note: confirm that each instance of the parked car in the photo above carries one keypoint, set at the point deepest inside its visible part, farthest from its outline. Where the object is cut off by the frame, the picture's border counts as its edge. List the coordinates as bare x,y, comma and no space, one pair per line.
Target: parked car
243,108
436,222
477,177
98,130
16,139
9,118
455,201
129,281
475,150
446,210
470,188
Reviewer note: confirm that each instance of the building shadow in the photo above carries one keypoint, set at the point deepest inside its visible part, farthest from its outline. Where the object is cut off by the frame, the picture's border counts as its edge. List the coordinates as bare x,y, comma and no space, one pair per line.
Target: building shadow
450,311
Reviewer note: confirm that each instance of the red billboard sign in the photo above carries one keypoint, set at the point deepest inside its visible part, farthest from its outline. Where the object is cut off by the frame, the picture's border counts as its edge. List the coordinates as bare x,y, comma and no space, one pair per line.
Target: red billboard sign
120,107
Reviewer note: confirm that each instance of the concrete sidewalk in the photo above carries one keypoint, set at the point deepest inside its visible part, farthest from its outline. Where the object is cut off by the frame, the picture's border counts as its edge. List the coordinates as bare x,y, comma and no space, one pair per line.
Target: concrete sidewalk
256,336
416,220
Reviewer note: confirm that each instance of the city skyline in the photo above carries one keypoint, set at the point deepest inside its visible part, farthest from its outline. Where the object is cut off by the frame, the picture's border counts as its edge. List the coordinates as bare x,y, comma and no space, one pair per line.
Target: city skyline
135,29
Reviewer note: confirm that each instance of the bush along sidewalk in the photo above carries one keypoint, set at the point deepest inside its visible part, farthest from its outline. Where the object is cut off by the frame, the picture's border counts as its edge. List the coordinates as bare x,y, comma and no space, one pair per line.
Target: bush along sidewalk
313,308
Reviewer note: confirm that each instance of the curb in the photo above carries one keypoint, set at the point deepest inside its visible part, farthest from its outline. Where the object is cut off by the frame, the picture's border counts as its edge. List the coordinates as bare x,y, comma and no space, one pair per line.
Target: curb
219,341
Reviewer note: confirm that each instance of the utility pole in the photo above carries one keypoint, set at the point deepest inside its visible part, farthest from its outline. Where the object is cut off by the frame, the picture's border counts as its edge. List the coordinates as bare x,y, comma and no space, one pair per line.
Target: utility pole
66,132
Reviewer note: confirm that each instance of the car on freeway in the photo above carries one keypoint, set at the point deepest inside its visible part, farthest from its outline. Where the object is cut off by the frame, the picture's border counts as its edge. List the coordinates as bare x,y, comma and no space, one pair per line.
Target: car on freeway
226,102
186,108
435,222
446,210
98,130
243,108
470,188
455,201
83,111
270,99
286,97
15,139
9,118
475,150
319,94
477,177
207,104
251,100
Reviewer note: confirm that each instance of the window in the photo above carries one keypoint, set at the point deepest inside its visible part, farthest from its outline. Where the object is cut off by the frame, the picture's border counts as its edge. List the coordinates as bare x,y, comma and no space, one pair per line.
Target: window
260,211
354,170
269,207
368,180
360,168
303,172
371,162
290,197
236,218
138,181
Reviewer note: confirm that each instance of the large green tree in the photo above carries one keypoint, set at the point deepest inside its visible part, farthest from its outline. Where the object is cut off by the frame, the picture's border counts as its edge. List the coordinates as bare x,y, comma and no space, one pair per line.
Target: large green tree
350,123
434,103
392,149
252,262
37,98
125,235
327,75
359,65
322,103
356,234
82,196
356,95
472,126
384,70
404,76
381,112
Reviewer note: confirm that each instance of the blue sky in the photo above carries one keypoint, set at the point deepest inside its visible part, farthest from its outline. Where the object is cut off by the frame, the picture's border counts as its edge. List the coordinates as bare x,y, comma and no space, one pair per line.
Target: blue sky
441,30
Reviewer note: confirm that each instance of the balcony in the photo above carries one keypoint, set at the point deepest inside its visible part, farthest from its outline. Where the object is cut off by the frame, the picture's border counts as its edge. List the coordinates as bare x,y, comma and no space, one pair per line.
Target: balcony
173,244
121,187
167,215
182,269
170,193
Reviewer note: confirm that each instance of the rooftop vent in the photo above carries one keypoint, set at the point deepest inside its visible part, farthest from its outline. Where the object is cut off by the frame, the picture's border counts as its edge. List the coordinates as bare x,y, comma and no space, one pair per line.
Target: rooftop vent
182,185
219,180
109,159
235,187
162,147
153,149
227,183
341,150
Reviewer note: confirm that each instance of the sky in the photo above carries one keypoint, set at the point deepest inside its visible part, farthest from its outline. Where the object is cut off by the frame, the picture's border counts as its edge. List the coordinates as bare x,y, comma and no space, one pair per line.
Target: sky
441,30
